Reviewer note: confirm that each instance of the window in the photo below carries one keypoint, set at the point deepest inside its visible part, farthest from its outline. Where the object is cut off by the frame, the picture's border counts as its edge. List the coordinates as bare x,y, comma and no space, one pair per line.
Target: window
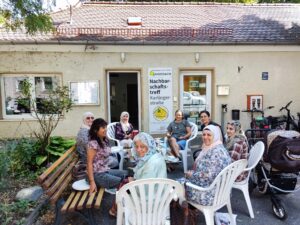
14,104
195,89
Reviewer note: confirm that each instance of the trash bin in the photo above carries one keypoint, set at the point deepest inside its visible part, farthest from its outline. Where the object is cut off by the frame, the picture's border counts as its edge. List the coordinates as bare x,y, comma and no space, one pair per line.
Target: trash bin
235,114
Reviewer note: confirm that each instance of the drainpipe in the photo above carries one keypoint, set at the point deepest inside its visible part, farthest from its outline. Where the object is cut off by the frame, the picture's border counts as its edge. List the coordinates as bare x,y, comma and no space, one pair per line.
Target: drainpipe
224,110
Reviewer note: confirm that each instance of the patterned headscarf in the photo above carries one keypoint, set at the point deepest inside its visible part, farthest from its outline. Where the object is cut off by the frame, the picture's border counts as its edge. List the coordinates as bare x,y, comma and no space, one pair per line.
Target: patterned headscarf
147,140
237,126
239,134
84,122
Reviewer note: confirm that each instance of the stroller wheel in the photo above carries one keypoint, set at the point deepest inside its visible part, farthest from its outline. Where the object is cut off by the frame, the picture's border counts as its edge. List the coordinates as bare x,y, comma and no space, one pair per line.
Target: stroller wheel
279,211
262,187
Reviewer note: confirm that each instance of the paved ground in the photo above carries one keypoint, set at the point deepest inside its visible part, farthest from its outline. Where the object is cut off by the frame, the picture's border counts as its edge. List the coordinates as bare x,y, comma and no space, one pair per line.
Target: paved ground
261,206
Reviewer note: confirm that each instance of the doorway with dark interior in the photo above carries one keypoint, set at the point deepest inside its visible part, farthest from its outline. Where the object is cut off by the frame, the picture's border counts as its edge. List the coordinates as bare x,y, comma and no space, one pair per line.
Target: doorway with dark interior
123,96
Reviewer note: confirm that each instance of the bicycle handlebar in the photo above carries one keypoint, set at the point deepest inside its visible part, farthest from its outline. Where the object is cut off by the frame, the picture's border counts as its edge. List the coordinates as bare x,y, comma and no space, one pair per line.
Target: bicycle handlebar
285,107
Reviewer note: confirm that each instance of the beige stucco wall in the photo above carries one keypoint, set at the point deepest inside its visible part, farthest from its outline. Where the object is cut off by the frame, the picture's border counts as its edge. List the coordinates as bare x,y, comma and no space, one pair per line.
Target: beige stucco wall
77,63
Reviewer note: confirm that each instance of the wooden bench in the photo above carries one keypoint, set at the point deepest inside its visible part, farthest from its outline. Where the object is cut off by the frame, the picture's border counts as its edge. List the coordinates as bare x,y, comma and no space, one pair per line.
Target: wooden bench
56,182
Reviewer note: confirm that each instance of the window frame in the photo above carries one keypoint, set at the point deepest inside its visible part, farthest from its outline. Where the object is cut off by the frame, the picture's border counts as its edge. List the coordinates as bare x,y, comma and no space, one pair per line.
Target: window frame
31,76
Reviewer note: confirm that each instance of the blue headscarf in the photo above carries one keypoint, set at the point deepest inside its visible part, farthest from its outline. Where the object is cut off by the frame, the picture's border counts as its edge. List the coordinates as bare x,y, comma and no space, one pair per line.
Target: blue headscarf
147,140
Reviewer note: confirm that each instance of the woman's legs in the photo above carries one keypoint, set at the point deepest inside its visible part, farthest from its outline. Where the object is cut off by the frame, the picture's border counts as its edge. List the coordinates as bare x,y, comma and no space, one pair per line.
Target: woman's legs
174,146
110,179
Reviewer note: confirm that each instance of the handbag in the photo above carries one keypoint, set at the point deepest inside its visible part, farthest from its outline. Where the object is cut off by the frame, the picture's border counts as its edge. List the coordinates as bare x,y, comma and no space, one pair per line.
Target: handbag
79,171
182,214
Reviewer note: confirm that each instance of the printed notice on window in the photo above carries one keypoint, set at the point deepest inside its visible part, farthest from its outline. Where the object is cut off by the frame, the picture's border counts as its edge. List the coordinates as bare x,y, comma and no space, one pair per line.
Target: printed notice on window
160,99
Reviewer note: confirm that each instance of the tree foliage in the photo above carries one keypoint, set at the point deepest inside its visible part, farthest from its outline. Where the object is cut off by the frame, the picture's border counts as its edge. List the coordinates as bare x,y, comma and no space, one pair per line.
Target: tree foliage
48,111
15,14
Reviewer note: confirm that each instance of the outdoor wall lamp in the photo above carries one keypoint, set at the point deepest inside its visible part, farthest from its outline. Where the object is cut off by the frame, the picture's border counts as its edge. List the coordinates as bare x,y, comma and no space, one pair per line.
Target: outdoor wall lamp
197,57
123,57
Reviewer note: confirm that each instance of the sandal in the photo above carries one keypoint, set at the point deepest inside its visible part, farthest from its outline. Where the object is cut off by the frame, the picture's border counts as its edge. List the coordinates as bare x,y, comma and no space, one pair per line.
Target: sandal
112,213
113,210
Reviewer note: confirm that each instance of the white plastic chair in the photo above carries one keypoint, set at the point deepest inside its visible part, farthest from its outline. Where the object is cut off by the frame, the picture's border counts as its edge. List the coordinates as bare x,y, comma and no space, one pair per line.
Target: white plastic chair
147,201
118,148
187,151
223,185
255,155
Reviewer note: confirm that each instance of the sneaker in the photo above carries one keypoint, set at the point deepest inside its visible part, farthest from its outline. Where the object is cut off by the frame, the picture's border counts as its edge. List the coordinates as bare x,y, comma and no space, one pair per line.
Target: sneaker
111,191
171,158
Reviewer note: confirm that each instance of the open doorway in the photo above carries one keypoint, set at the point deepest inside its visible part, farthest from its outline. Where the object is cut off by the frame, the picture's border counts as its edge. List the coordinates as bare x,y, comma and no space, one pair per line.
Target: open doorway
123,95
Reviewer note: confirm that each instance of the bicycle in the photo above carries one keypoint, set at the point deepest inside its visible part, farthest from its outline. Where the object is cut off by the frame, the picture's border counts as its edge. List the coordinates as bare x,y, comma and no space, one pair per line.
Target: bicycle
259,126
290,123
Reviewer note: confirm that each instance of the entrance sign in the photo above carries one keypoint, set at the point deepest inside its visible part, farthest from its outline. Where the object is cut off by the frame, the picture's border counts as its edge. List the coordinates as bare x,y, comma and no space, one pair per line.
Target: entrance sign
160,99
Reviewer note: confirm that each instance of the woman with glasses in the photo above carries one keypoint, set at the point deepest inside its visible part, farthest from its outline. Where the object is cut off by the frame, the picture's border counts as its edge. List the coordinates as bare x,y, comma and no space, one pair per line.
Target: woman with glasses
83,135
124,130
236,144
150,163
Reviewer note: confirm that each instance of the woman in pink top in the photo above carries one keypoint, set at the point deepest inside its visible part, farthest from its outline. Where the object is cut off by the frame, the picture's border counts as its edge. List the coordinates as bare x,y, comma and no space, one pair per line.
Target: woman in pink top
99,173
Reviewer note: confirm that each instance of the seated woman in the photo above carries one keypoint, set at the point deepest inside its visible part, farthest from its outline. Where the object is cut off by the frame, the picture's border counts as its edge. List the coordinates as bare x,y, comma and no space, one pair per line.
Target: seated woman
82,140
236,144
206,120
150,163
98,170
83,135
178,132
210,162
123,130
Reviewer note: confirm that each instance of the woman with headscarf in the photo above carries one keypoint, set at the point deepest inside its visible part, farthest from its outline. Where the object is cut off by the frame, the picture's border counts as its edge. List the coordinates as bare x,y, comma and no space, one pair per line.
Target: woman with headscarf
150,163
83,135
236,144
210,162
123,130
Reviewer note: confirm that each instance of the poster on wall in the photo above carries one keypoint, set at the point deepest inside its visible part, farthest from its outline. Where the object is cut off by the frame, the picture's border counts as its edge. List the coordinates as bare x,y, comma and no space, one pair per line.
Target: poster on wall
160,99
84,92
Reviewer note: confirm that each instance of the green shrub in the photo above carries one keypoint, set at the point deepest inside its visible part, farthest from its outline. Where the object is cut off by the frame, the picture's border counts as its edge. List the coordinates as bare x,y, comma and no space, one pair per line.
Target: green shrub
23,156
4,168
9,211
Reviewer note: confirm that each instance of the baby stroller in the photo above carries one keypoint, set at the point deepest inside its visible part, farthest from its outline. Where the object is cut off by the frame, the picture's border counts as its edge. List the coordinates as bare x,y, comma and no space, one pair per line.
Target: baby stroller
278,172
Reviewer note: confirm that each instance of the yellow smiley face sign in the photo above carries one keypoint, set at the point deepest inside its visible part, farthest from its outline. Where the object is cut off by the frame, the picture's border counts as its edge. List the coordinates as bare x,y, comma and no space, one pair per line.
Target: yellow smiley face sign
160,113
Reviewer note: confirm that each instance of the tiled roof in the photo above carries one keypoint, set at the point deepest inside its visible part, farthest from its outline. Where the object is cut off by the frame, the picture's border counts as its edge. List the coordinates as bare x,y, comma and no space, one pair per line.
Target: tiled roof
173,24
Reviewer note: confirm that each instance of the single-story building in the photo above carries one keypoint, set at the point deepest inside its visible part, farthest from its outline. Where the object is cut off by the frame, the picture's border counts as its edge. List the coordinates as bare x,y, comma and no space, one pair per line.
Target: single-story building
151,59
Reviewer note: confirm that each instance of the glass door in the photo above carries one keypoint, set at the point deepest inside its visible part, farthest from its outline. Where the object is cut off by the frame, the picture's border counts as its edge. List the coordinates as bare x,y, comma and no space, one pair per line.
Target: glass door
195,94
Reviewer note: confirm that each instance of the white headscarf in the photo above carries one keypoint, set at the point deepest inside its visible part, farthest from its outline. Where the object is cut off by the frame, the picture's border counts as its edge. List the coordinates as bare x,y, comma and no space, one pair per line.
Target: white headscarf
126,125
84,122
216,132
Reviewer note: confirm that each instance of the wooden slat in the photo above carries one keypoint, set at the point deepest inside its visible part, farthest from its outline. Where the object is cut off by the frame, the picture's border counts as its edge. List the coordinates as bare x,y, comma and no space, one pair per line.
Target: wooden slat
56,195
82,200
61,180
75,200
90,201
48,182
55,164
99,198
67,203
